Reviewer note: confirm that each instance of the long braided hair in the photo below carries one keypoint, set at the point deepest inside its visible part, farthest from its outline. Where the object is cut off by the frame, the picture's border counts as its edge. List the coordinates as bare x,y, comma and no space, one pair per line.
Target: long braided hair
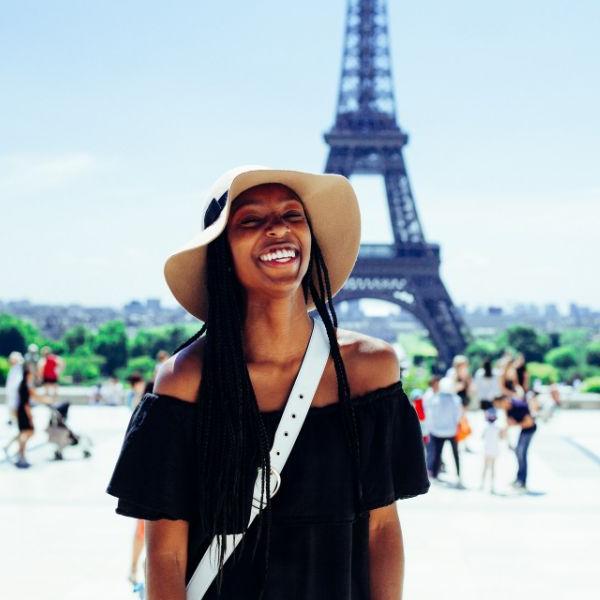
231,434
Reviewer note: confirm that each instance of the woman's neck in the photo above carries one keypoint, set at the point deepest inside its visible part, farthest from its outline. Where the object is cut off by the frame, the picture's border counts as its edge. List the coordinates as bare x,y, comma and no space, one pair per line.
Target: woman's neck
276,330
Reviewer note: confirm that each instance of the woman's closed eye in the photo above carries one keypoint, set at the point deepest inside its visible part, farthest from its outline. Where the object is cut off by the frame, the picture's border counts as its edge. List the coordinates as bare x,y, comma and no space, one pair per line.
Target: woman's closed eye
294,215
290,215
249,220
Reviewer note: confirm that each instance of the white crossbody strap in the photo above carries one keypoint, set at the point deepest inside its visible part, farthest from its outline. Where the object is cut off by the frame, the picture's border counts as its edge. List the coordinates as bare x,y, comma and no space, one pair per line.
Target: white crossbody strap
296,409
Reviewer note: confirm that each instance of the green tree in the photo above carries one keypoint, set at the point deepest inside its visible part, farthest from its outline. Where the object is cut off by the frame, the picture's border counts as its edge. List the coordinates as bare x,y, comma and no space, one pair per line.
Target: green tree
77,337
481,349
526,340
111,343
4,368
545,373
16,334
592,354
83,367
574,337
147,342
563,357
591,385
144,365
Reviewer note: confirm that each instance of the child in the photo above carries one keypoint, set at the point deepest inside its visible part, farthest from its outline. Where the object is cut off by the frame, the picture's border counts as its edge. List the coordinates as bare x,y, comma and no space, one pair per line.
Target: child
491,445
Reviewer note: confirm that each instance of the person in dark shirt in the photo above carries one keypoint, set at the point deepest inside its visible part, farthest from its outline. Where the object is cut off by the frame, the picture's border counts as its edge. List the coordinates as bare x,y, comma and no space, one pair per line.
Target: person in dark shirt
274,246
518,414
24,417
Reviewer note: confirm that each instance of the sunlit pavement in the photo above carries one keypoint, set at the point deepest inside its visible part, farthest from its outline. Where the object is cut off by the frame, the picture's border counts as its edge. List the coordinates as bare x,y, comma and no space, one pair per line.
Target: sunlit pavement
61,539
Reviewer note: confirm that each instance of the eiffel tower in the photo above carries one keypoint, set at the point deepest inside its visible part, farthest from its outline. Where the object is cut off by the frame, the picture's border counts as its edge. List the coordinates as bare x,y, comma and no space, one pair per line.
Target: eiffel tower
366,139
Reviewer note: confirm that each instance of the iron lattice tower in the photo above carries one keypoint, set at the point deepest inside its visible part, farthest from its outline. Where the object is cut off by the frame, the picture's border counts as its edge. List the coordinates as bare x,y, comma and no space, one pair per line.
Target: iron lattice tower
366,139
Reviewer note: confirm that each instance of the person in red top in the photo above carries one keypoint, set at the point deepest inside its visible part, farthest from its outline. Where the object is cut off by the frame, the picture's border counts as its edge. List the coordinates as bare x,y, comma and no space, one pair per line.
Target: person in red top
50,368
416,398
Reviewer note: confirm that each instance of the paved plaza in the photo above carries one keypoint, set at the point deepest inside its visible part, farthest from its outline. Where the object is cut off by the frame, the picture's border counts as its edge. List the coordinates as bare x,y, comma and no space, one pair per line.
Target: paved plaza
61,540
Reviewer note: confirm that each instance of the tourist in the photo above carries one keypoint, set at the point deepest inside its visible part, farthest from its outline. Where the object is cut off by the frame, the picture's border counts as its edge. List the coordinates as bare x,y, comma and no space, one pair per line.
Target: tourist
434,388
13,381
518,414
461,377
31,361
194,448
49,369
416,399
510,378
112,391
136,391
486,385
443,411
27,391
522,377
492,435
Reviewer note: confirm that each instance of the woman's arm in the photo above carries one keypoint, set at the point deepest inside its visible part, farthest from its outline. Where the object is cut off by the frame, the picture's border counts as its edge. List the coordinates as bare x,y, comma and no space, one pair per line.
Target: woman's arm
386,554
166,559
526,422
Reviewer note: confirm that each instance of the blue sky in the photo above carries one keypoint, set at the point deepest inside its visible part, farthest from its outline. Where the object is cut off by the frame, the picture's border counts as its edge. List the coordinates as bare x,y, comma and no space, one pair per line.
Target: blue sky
115,116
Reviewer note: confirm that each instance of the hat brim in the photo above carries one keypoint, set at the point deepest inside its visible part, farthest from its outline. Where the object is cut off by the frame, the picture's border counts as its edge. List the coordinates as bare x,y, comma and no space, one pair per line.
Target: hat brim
332,208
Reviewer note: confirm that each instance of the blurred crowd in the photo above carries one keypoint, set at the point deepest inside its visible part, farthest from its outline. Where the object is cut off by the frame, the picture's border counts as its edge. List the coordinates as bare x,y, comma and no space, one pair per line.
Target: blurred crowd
507,398
25,377
33,379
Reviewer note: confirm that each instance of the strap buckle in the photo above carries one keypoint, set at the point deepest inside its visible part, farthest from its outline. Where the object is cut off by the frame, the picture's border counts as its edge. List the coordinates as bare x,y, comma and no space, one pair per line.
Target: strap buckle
258,500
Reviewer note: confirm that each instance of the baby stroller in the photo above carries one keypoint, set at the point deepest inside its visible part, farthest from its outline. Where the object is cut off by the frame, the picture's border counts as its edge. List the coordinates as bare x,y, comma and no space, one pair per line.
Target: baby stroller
61,435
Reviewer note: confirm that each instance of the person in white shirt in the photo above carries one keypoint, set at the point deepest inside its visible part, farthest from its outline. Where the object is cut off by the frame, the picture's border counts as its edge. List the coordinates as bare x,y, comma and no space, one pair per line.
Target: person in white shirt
492,434
13,380
486,384
113,392
443,411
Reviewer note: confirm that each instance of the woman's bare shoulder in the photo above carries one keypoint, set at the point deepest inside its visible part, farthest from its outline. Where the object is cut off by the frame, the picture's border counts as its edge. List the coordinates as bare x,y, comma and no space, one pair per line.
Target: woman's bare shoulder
371,363
180,375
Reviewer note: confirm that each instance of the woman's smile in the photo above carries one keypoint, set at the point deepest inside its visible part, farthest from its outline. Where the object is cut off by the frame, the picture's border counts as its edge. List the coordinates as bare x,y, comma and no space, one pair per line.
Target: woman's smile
279,257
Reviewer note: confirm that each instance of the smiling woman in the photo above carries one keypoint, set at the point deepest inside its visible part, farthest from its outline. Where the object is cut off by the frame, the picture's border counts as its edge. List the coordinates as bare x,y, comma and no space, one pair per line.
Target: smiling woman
266,384
268,229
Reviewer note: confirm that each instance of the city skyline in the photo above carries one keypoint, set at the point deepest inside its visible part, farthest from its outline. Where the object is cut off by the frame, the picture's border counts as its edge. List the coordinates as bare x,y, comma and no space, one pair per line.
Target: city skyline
142,109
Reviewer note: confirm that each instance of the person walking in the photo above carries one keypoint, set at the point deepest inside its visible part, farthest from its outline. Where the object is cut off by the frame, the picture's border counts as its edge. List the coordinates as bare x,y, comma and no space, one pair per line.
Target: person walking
443,412
24,416
203,453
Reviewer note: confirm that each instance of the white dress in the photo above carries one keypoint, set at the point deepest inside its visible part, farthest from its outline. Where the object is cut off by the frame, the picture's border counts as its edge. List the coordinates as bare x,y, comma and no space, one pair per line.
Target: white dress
491,440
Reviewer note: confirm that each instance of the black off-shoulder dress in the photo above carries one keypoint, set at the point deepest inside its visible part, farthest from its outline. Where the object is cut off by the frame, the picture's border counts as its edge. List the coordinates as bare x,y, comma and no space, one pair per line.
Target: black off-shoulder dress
319,537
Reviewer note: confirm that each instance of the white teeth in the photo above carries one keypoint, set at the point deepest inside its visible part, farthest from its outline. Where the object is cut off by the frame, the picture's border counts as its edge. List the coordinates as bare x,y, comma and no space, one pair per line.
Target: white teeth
279,255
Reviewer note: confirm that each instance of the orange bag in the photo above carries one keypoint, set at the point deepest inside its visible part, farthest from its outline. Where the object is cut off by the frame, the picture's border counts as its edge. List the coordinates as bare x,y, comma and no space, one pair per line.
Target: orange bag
463,431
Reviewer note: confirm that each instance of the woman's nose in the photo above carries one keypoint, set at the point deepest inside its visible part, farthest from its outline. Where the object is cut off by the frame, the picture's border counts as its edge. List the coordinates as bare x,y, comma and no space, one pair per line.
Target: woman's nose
277,227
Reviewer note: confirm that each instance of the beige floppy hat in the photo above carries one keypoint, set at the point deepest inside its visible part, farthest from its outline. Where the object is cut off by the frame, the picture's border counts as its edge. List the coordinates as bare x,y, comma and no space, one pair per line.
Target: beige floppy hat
331,205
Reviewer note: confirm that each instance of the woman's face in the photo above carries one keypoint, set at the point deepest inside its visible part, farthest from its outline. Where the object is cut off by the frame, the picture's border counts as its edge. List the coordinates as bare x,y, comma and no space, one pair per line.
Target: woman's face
270,240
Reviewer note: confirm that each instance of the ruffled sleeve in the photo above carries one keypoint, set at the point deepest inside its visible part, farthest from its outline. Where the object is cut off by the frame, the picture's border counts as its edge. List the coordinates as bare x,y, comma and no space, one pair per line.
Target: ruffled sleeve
154,477
392,449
